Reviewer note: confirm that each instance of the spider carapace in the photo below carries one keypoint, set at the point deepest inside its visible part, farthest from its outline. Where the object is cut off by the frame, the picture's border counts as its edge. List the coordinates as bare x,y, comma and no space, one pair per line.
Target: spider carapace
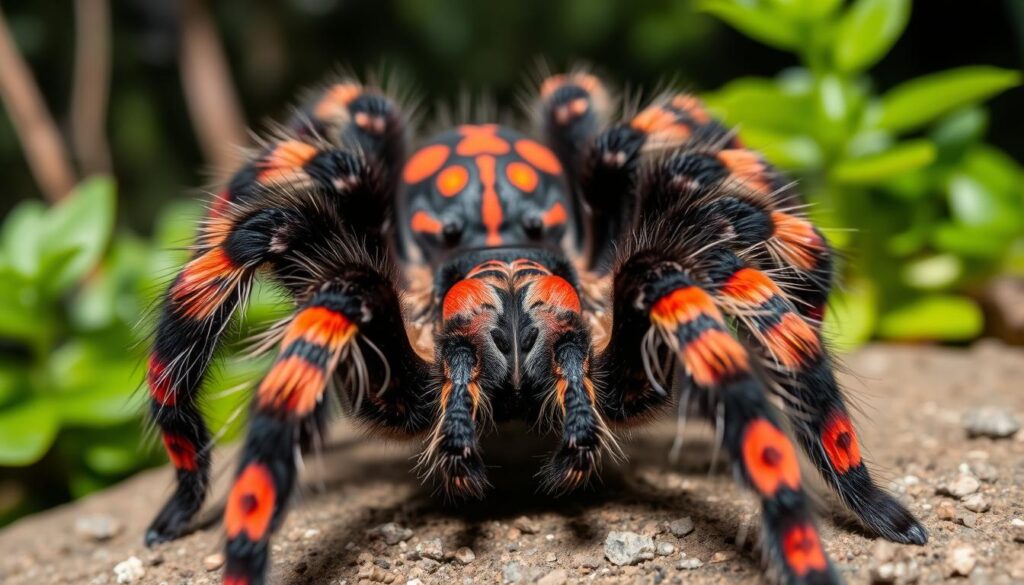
590,273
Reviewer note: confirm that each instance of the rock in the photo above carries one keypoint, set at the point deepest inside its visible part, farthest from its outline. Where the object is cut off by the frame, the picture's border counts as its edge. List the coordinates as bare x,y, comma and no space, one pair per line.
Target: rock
414,582
465,555
722,556
689,564
628,548
976,503
946,511
431,549
665,548
1017,529
963,486
512,573
213,562
391,533
681,527
895,572
556,577
525,525
992,422
98,527
968,519
129,571
960,560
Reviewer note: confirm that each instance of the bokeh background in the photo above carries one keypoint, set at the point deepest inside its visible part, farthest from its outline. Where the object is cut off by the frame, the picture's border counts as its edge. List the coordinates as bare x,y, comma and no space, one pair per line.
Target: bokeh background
902,121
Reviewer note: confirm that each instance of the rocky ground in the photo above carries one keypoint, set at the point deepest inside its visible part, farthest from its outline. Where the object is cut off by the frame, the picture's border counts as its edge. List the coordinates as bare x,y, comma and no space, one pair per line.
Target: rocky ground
363,517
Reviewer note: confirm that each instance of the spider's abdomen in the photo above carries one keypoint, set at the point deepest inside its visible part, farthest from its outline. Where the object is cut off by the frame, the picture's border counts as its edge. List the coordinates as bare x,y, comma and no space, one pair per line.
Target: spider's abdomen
482,186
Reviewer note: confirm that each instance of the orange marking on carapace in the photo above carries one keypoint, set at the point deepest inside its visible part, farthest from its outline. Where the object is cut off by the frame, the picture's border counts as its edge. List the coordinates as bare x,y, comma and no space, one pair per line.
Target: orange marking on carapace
286,158
714,356
802,550
522,176
160,388
556,215
466,296
691,106
204,284
424,163
482,139
555,292
684,305
181,451
321,326
792,342
335,100
769,458
452,180
747,168
424,223
750,286
539,156
292,384
490,204
802,244
840,442
251,503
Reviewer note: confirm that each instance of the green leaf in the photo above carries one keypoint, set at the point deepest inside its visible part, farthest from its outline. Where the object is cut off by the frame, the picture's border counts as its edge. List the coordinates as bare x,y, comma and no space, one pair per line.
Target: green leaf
943,318
763,104
759,23
917,102
934,272
807,10
83,223
26,432
867,31
20,235
976,242
851,315
900,159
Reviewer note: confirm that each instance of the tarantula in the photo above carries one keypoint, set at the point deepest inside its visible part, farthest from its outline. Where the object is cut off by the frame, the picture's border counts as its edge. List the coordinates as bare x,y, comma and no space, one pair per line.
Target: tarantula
581,274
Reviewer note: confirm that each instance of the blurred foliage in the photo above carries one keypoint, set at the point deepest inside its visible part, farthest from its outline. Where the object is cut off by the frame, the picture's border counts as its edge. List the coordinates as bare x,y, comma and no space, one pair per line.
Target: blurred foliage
902,181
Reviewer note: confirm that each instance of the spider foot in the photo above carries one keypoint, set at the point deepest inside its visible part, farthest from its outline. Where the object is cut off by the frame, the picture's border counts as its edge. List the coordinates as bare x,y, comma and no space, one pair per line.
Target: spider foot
888,518
173,521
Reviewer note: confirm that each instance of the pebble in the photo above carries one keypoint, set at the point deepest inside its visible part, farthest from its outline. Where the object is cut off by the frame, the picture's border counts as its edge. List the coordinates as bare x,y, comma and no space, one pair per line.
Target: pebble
213,562
963,486
556,577
665,548
465,555
628,548
899,572
976,503
722,556
991,421
1017,529
512,573
525,525
960,560
431,549
689,564
946,511
414,582
681,527
98,527
129,571
391,533
968,519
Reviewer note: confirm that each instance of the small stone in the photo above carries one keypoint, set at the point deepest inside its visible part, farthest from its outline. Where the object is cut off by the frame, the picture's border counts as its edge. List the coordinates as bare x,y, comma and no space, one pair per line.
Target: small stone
431,549
628,548
525,525
895,572
512,573
98,527
587,561
391,533
984,471
665,548
429,565
722,556
414,582
968,519
946,511
681,527
556,577
213,562
960,560
129,571
514,534
689,564
976,503
311,533
992,422
465,555
1017,529
963,486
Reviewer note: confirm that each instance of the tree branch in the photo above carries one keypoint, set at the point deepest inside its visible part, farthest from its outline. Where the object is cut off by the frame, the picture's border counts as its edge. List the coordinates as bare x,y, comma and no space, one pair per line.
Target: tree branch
91,88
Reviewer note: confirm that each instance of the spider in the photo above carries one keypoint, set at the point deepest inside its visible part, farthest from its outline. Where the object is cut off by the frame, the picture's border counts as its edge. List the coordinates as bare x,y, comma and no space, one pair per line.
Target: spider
591,276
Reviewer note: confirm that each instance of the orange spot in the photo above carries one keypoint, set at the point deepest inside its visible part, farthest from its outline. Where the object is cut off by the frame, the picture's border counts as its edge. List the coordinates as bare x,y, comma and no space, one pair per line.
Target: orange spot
251,503
840,442
205,284
235,580
555,292
713,357
691,106
792,342
490,205
181,451
424,223
684,305
750,286
336,100
160,388
579,106
452,180
425,162
321,326
293,385
769,458
660,123
747,168
481,139
803,245
522,176
555,216
539,156
466,296
802,549
285,160
585,81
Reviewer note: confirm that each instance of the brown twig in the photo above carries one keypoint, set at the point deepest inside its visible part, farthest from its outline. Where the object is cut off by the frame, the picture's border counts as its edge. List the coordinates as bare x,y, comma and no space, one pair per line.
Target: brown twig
206,80
91,88
40,139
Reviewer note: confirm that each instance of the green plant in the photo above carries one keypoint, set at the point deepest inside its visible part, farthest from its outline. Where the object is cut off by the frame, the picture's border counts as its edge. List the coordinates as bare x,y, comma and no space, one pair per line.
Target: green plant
74,299
933,209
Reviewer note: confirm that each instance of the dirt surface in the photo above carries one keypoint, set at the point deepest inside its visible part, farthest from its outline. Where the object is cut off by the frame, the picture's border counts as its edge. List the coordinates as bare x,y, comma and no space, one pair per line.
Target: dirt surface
913,401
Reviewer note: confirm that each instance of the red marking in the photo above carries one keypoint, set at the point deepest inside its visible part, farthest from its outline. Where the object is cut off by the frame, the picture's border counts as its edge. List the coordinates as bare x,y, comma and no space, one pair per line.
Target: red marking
769,458
452,180
840,442
555,216
713,357
293,385
181,451
792,341
750,286
490,205
425,223
803,244
556,292
817,313
160,388
481,139
336,99
424,163
285,160
321,326
250,503
684,305
466,296
522,176
539,156
236,580
691,106
747,168
802,549
201,288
